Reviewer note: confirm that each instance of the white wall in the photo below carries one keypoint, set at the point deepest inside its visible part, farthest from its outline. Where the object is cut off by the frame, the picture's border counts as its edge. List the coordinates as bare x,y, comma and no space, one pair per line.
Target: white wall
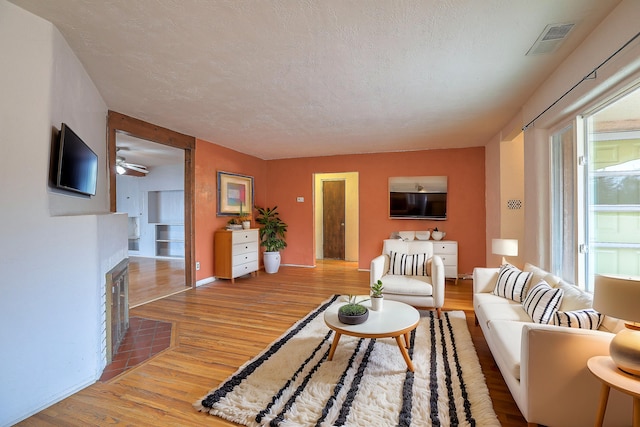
619,27
132,198
53,255
512,188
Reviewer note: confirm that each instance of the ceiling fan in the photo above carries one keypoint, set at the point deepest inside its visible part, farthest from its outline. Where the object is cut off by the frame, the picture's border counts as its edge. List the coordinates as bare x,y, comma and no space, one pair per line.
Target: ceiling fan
122,166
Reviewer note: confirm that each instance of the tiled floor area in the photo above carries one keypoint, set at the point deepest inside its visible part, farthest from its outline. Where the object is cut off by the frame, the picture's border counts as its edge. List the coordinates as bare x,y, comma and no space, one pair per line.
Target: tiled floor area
144,339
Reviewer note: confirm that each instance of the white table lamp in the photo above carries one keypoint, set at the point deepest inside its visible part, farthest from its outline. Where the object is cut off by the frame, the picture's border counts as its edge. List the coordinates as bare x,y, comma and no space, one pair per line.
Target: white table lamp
504,247
619,297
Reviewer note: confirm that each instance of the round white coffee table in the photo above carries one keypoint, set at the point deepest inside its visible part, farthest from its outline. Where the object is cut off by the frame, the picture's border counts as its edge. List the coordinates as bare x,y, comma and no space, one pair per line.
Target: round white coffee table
395,320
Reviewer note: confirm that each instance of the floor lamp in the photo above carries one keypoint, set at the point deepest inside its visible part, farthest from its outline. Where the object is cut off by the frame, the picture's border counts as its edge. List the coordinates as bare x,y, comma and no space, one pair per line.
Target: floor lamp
504,247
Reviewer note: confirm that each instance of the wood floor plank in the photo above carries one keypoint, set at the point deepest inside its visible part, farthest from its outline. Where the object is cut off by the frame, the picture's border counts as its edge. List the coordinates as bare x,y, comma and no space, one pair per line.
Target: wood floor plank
153,278
219,327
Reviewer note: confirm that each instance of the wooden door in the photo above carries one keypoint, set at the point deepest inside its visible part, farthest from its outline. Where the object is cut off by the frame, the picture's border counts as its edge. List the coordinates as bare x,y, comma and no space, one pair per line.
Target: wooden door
333,218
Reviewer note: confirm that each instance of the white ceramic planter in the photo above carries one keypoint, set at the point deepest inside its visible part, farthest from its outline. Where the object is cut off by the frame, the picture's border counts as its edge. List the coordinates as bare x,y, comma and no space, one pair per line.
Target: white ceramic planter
271,262
376,303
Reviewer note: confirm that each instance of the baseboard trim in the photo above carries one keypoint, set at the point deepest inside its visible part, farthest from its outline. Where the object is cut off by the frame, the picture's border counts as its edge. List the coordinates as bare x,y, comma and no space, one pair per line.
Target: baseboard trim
205,281
58,398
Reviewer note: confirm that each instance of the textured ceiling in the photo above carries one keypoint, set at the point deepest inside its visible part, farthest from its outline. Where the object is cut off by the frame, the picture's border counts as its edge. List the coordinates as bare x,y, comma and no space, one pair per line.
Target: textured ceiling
294,78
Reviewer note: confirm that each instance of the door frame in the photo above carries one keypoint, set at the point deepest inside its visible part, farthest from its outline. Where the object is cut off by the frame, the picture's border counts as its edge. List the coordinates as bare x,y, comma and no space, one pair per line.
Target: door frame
117,122
352,219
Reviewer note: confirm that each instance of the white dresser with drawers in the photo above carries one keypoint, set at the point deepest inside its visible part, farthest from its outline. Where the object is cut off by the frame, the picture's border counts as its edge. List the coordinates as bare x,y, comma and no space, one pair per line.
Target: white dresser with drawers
448,251
235,253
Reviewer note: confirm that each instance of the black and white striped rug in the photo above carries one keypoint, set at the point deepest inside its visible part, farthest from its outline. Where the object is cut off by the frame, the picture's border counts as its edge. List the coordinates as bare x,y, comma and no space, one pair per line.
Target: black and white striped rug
367,383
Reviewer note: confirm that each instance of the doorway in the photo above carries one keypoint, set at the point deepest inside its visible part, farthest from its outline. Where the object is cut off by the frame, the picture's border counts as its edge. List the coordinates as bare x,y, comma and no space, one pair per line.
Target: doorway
122,124
333,219
347,246
150,190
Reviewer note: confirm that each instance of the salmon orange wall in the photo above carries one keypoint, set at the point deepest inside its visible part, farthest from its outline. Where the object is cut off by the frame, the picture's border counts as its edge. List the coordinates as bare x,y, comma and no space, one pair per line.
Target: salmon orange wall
289,179
209,159
281,182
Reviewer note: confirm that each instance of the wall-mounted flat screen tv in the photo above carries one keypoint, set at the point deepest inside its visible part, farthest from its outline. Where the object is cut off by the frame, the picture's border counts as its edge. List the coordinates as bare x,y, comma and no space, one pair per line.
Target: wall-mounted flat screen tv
418,197
77,168
418,205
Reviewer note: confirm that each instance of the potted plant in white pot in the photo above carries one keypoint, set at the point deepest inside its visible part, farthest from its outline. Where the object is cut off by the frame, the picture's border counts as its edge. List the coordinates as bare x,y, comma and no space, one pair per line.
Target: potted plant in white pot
377,298
272,237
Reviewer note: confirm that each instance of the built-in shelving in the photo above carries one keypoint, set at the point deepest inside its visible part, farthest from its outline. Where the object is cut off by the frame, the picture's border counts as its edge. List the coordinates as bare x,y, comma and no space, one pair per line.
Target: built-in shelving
166,213
170,240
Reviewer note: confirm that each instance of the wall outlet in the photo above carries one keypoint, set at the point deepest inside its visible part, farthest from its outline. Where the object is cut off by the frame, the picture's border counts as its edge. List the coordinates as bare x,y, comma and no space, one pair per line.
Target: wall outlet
299,199
197,265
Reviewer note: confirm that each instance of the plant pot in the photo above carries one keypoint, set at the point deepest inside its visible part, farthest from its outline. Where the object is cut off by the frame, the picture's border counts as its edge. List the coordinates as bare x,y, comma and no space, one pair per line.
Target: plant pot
246,225
271,262
376,303
353,320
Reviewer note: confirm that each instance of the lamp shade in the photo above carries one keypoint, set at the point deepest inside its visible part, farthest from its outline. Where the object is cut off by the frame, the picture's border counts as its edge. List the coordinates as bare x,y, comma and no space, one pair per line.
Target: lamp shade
617,297
620,297
505,247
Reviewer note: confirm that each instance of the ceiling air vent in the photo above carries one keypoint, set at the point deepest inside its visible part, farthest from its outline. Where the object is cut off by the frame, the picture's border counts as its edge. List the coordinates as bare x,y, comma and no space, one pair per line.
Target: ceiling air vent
552,36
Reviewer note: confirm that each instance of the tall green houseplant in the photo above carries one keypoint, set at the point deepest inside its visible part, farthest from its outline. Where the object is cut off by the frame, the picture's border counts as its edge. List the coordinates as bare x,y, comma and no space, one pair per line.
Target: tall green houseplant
272,236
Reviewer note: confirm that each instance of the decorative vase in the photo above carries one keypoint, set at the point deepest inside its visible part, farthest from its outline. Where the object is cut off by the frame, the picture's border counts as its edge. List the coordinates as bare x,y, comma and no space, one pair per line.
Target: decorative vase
438,235
377,303
271,262
353,320
246,225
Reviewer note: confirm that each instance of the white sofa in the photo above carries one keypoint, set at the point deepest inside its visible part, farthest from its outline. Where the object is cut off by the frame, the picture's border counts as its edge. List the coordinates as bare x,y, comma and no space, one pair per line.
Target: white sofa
421,284
545,366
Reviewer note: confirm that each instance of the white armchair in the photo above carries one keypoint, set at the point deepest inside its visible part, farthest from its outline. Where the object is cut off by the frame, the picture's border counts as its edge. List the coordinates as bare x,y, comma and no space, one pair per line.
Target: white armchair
410,273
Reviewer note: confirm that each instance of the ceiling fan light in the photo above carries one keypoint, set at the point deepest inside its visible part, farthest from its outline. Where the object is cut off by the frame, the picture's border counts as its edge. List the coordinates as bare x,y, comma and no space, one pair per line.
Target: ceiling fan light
120,170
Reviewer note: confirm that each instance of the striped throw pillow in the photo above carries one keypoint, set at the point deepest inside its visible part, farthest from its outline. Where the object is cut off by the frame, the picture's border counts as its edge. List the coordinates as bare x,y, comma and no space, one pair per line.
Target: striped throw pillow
408,264
583,319
542,302
512,283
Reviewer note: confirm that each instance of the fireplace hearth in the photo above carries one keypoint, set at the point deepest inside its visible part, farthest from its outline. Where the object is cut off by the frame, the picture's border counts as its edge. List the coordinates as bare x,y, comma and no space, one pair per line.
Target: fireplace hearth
117,292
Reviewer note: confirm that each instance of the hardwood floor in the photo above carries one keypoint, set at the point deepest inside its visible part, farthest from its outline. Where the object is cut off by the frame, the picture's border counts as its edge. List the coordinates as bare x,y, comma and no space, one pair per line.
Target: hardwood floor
151,279
217,328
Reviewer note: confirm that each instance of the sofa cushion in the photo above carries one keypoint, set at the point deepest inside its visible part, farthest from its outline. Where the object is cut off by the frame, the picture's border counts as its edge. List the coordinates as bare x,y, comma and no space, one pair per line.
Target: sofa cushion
486,298
407,285
574,298
542,302
584,319
408,264
512,283
512,311
540,274
507,337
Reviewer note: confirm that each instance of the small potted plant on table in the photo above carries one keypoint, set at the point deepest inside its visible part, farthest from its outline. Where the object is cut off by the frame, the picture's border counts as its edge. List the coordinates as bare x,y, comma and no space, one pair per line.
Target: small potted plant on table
353,312
377,298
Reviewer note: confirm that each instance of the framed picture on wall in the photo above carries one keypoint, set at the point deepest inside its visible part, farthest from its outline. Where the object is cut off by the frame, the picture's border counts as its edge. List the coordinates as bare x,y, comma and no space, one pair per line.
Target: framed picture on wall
235,193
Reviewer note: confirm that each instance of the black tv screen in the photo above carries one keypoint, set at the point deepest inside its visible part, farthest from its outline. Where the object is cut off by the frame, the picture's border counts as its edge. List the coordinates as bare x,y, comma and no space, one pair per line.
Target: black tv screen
77,164
418,205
